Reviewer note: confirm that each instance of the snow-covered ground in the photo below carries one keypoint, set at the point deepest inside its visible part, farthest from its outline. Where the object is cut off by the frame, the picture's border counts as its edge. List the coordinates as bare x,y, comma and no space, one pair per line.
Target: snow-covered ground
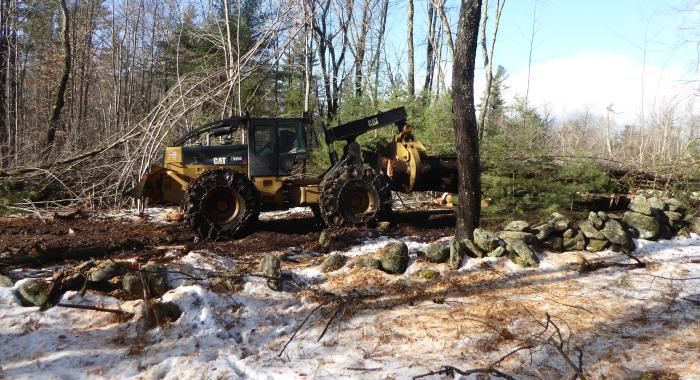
171,214
626,321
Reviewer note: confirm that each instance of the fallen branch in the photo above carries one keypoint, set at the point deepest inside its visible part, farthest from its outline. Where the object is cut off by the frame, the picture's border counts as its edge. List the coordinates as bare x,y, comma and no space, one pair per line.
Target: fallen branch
97,308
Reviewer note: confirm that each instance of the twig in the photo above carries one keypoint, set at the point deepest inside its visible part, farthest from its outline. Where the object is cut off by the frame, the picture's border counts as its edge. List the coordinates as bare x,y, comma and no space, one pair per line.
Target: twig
96,308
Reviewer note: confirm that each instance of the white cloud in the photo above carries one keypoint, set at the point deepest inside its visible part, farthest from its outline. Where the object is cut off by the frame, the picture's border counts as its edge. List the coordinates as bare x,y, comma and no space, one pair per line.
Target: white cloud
592,81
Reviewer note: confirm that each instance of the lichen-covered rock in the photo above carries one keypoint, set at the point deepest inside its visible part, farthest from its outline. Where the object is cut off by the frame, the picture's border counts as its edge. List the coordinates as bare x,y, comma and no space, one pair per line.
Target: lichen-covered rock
333,262
6,282
429,274
105,271
369,262
589,230
509,236
457,253
657,204
271,266
486,240
575,242
394,258
132,284
570,233
559,222
615,232
674,204
674,216
595,245
383,226
524,252
325,237
640,204
543,231
498,252
683,232
34,292
648,227
517,225
595,220
694,225
603,216
156,275
438,252
554,243
472,249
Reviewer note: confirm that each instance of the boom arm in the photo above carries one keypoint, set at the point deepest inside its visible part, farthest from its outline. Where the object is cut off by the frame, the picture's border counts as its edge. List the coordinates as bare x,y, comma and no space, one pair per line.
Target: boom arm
351,130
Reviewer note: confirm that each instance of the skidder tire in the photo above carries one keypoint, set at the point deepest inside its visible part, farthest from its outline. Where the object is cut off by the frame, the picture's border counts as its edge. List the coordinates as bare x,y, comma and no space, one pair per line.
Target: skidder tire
355,196
222,203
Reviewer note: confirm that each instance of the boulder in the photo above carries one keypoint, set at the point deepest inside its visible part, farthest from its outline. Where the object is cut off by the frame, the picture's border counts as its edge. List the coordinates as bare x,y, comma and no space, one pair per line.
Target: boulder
674,216
559,222
674,204
589,230
156,275
394,258
369,262
595,220
640,204
6,282
657,204
438,252
472,249
486,240
325,237
34,292
615,232
509,236
603,216
333,262
570,233
271,266
498,252
517,225
575,242
595,245
457,253
105,271
543,231
132,284
648,227
429,274
524,252
683,232
383,226
554,243
694,225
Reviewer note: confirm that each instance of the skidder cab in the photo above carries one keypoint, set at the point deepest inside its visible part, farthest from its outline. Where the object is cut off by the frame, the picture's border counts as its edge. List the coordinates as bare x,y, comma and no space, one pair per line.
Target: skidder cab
225,172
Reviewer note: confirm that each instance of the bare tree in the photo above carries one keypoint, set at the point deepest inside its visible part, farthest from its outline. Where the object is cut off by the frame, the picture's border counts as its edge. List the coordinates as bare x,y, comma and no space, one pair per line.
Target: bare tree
410,75
55,120
488,59
465,123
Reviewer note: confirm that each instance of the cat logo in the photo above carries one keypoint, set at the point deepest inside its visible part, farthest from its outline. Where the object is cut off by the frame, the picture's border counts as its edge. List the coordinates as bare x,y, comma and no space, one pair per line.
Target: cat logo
172,155
373,122
219,160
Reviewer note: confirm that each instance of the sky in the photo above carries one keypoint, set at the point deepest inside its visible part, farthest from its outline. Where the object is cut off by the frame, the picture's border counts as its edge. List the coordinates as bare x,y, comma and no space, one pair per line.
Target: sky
589,54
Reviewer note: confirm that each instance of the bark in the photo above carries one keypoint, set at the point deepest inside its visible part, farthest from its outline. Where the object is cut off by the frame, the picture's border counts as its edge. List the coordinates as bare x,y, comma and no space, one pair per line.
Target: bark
430,50
465,123
55,121
360,47
380,39
410,75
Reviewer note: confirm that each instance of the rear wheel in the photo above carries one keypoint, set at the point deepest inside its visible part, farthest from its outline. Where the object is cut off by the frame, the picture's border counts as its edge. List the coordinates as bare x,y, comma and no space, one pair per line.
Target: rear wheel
354,196
222,203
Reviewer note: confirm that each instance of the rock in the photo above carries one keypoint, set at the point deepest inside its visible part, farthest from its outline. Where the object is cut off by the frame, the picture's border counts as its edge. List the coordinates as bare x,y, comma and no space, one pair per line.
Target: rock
577,241
674,216
105,271
157,278
568,234
694,225
589,230
486,240
615,232
595,245
34,292
640,205
554,243
525,253
6,282
271,266
438,252
457,253
383,226
603,216
429,274
394,257
648,227
674,204
517,225
509,236
498,252
657,204
472,249
683,232
595,220
131,282
543,231
559,222
325,237
333,262
369,262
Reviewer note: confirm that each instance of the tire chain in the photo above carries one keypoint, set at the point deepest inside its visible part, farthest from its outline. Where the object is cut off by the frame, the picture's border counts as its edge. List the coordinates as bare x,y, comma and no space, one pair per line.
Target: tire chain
198,191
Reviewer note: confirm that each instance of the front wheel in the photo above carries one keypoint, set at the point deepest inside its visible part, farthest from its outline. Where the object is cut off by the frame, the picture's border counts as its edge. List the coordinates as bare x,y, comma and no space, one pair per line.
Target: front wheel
355,196
222,203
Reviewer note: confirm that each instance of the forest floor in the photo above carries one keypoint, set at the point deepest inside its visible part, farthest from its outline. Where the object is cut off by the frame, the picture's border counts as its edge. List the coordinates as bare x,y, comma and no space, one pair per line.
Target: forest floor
627,323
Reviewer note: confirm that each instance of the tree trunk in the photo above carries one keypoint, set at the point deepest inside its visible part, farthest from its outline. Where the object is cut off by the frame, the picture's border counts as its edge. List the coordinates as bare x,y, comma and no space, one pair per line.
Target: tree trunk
360,48
55,120
465,123
411,79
